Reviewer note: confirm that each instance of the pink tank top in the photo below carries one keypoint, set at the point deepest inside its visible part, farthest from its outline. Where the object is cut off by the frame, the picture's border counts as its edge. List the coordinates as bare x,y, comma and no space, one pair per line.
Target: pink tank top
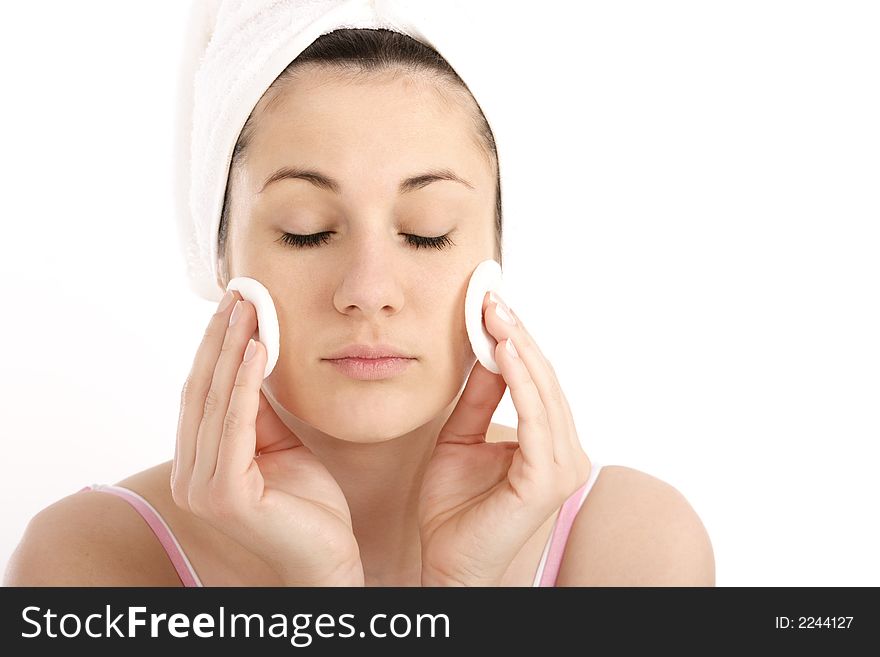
548,569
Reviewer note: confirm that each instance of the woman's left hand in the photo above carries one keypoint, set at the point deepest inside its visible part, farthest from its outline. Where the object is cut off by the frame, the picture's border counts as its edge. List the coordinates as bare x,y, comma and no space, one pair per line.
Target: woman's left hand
480,502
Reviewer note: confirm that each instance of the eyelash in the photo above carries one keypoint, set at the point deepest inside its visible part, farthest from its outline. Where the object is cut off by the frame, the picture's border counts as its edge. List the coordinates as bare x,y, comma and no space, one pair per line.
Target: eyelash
316,239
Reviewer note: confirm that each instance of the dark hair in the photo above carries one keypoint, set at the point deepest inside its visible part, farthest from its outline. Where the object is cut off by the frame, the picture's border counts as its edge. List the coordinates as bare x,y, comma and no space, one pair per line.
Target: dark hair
362,52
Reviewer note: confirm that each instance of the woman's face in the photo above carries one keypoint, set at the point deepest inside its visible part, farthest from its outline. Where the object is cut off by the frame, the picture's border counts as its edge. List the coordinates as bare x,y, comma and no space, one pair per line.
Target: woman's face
365,282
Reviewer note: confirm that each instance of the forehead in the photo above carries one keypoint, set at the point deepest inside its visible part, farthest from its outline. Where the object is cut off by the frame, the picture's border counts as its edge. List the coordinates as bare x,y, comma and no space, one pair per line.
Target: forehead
321,87
378,120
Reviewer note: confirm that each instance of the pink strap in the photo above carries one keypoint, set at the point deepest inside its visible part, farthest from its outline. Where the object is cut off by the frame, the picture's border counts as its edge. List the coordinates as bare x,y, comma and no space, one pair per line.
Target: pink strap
553,552
162,531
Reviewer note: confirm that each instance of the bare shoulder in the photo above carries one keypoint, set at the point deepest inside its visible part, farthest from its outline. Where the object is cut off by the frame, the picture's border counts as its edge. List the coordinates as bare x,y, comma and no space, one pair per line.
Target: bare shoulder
89,539
636,530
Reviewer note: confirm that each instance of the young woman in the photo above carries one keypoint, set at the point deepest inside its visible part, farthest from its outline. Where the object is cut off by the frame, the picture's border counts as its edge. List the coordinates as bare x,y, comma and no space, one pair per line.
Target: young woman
363,191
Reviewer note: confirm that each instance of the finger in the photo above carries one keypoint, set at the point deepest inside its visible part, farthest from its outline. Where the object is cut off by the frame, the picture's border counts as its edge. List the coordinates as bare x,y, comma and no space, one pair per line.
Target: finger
217,399
271,431
192,402
239,436
540,373
533,428
472,415
573,441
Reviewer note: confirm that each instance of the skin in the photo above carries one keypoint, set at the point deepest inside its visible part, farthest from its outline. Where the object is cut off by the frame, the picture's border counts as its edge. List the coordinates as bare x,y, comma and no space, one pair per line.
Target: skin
367,284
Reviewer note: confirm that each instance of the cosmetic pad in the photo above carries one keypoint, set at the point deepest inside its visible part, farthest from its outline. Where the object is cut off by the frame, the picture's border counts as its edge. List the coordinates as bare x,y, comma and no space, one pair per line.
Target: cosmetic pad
486,277
267,319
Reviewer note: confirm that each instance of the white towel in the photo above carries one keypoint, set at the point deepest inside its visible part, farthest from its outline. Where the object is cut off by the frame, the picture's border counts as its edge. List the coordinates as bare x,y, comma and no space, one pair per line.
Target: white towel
233,52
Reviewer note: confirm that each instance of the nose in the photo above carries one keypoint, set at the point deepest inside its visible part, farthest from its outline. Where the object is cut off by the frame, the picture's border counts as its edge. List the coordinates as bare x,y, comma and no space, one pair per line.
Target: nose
370,280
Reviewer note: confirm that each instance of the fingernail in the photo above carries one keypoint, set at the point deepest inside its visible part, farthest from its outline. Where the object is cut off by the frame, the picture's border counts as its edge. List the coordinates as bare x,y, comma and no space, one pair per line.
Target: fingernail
225,301
502,312
235,313
501,308
250,351
511,349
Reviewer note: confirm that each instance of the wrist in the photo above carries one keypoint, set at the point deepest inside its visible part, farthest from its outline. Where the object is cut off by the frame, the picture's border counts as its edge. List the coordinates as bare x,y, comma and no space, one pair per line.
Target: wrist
352,575
433,578
433,581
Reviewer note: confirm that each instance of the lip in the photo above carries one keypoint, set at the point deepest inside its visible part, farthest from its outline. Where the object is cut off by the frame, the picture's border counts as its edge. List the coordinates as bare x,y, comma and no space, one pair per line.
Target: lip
371,369
368,351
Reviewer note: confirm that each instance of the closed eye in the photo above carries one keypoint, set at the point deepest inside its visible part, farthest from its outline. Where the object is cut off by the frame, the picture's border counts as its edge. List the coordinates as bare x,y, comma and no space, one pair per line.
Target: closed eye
316,239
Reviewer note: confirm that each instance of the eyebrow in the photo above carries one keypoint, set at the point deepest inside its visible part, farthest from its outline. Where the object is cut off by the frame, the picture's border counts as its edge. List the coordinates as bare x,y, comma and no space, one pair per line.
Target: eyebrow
323,181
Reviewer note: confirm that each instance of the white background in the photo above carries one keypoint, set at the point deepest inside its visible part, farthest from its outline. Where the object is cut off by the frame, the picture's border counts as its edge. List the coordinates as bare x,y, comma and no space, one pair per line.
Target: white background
692,235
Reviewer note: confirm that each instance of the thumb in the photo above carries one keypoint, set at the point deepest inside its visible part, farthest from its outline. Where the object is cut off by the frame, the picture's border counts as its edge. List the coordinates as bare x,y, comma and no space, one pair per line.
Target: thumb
472,415
272,433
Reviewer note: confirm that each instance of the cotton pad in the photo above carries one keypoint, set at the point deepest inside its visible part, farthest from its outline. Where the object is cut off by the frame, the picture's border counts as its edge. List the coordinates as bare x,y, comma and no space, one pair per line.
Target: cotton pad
267,319
486,277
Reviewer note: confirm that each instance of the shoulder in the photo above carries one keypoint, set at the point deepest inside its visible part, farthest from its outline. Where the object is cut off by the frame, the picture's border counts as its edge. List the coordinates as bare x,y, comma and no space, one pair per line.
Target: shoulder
89,539
636,530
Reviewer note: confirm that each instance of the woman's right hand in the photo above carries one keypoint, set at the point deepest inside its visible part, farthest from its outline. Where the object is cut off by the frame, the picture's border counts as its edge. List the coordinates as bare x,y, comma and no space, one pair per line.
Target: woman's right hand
239,468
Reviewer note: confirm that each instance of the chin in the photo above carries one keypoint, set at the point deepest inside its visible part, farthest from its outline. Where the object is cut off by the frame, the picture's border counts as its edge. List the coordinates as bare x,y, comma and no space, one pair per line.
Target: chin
368,417
368,429
368,411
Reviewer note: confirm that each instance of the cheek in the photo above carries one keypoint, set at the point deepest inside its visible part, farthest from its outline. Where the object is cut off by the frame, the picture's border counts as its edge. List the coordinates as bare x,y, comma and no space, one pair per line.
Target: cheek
447,323
302,334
